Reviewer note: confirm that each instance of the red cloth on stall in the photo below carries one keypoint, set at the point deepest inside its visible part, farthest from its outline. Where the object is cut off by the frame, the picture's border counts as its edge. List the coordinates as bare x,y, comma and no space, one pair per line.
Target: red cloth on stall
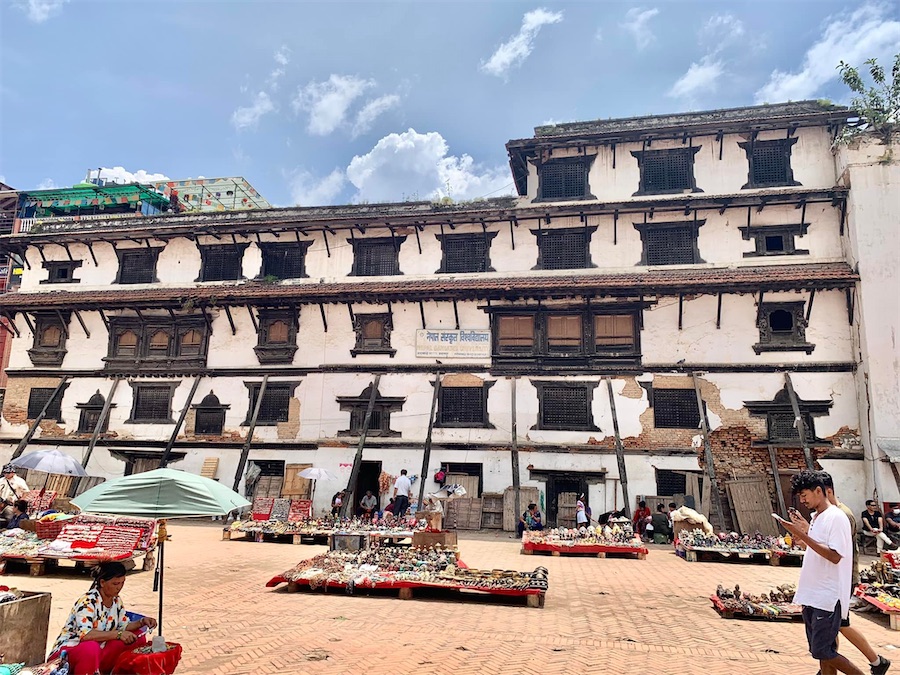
153,663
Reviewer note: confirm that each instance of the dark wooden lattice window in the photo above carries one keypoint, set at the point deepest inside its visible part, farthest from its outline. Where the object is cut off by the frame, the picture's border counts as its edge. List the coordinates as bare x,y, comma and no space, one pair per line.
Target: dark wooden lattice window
377,419
461,407
614,332
137,266
37,399
221,263
90,414
782,426
769,162
152,403
670,245
376,257
209,416
564,333
669,483
565,407
564,249
466,253
285,261
666,171
275,404
61,271
564,179
515,334
675,409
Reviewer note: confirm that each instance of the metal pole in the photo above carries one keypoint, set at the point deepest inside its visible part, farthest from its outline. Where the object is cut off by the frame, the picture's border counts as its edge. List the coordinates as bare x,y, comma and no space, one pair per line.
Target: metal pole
620,450
104,414
245,451
164,460
798,421
357,461
34,425
707,453
514,453
427,457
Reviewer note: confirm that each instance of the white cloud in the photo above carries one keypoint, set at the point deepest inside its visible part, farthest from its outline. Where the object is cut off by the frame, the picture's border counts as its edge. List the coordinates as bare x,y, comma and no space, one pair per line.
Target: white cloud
47,184
119,174
39,11
366,117
328,102
700,77
721,30
248,117
636,22
417,166
867,32
598,36
282,58
514,51
308,190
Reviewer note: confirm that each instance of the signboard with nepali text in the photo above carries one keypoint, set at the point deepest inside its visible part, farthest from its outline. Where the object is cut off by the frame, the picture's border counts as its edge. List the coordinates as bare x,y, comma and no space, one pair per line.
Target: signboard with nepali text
453,344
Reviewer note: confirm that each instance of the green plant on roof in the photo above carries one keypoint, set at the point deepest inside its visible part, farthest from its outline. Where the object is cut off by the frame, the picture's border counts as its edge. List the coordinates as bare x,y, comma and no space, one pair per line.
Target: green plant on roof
878,104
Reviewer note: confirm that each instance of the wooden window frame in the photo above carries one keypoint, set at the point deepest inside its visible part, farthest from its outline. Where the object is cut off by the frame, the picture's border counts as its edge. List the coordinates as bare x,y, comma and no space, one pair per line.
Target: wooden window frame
544,238
281,388
209,249
481,264
769,341
54,412
384,242
787,146
760,234
54,266
207,407
43,355
659,402
90,414
542,392
270,266
123,254
586,160
357,405
642,155
277,352
648,230
485,422
144,330
137,387
359,322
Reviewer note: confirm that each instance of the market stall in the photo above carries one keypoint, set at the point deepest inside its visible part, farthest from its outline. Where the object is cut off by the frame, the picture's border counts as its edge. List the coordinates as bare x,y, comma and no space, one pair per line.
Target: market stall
880,587
777,604
701,546
409,572
597,541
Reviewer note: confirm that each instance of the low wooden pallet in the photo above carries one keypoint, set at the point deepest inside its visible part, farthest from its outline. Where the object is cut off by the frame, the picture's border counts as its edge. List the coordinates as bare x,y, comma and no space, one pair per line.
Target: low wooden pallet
38,567
786,559
286,538
892,614
715,555
725,613
593,551
429,592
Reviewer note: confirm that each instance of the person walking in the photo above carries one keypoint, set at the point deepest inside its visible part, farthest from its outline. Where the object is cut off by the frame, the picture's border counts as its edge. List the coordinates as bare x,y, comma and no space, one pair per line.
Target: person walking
824,586
402,489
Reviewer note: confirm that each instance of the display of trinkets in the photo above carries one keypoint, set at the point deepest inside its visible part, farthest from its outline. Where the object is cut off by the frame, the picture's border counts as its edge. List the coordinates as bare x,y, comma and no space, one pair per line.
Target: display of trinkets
733,542
18,543
325,526
881,581
778,602
610,536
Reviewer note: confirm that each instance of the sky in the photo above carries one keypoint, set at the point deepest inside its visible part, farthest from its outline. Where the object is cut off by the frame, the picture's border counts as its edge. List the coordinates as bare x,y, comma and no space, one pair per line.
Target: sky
364,102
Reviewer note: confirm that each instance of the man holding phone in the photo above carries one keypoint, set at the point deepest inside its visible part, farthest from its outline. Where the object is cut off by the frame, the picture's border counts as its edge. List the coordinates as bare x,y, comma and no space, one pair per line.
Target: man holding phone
825,579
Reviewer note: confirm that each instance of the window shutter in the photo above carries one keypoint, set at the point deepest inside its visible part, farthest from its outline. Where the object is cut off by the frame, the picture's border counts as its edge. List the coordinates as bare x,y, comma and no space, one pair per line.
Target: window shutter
667,170
670,245
564,333
376,258
464,254
565,408
770,163
613,331
462,406
516,333
675,409
563,180
563,250
137,267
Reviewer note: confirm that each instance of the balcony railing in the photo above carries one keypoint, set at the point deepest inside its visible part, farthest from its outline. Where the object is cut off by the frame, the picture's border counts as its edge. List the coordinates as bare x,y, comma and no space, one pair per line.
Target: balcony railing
80,222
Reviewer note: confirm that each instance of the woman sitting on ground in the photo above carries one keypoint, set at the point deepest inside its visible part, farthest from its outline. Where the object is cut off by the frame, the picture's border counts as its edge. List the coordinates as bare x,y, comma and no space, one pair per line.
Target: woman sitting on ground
97,631
20,513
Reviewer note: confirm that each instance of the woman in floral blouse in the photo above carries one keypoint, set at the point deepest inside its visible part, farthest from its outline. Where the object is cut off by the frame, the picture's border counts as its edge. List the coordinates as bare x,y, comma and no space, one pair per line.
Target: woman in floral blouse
97,631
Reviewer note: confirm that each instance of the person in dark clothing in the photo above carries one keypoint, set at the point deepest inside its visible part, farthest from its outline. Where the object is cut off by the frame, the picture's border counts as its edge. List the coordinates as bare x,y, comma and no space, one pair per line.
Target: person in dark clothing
659,521
873,525
20,513
530,520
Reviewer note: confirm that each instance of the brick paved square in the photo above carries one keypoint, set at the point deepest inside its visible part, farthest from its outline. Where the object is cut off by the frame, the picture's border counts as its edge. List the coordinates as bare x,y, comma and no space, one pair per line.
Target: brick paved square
601,615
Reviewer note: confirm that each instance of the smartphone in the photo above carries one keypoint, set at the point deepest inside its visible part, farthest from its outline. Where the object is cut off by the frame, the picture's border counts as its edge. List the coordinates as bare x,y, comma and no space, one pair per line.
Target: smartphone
778,518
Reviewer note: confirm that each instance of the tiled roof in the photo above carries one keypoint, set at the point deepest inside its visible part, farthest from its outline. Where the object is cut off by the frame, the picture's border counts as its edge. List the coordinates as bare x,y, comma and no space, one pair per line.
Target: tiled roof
386,289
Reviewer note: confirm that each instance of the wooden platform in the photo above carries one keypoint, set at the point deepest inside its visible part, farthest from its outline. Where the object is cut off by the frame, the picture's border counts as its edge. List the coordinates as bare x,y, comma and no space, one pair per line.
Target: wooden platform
272,537
409,591
757,557
892,613
39,566
598,551
792,559
726,613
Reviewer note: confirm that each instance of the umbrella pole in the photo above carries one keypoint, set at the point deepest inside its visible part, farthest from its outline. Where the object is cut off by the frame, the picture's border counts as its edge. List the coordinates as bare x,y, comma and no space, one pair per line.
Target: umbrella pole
161,537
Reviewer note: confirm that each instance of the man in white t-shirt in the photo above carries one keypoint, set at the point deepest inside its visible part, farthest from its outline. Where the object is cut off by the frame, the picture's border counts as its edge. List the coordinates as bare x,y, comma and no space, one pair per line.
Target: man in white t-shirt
824,586
402,488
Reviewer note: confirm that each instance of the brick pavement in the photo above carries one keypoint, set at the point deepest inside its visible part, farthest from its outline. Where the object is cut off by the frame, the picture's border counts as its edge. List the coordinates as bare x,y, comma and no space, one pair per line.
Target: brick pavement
601,615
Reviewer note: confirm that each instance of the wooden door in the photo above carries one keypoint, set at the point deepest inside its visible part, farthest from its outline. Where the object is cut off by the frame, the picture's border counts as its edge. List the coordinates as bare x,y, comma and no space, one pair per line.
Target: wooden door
752,505
296,486
470,483
565,509
144,464
268,486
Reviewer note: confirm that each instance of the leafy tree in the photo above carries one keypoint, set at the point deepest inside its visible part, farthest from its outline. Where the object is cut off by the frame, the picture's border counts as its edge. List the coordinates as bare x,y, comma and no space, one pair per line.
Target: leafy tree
878,106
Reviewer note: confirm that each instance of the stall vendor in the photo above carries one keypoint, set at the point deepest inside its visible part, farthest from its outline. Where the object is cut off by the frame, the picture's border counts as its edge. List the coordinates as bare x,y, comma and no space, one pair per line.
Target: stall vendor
641,518
530,520
12,489
97,631
20,513
368,504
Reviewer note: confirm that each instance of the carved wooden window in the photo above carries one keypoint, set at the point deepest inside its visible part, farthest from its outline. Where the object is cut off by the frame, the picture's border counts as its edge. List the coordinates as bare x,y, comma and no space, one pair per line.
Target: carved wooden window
675,409
769,162
37,399
376,257
51,336
774,239
152,403
90,414
49,347
190,343
666,171
209,416
670,243
614,332
221,263
285,261
126,343
156,343
565,406
782,328
61,271
275,405
373,334
380,422
137,265
782,426
466,253
158,346
515,334
277,336
564,249
564,334
464,407
564,179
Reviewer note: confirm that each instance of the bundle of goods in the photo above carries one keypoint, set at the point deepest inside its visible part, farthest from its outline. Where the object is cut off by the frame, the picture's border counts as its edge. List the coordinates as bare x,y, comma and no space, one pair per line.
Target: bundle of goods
8,594
18,543
880,586
731,541
622,536
271,527
776,604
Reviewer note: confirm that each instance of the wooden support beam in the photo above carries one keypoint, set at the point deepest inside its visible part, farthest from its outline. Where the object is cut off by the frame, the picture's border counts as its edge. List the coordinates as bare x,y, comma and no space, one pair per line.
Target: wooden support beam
798,421
719,312
103,318
512,236
44,259
759,307
171,313
715,492
620,449
10,317
456,313
613,159
812,296
252,318
164,460
41,415
426,457
347,506
680,310
782,508
90,248
207,319
324,318
327,248
101,422
230,320
418,240
615,227
68,251
720,139
843,215
848,294
7,328
139,315
350,312
29,323
245,450
422,313
87,333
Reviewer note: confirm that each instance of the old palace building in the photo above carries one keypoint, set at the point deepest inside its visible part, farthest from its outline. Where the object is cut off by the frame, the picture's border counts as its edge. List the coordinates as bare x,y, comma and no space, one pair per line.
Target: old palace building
646,264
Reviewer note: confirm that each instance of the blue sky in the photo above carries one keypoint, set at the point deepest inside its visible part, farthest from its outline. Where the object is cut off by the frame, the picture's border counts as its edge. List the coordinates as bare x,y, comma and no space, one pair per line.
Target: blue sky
337,102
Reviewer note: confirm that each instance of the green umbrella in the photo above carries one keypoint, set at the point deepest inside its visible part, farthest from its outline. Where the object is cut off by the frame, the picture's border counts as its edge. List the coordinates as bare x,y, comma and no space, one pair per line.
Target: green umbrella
162,493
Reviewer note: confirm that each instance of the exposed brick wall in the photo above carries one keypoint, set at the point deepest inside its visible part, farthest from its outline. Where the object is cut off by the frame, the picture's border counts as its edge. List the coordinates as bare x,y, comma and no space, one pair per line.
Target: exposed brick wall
15,403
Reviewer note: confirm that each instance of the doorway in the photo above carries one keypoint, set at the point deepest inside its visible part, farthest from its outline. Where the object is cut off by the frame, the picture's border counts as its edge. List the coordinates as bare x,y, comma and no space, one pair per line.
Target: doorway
562,493
369,472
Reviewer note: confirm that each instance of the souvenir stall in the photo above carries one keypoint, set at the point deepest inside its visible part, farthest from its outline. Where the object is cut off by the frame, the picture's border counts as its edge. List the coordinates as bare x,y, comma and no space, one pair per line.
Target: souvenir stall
880,587
778,604
701,546
600,541
433,571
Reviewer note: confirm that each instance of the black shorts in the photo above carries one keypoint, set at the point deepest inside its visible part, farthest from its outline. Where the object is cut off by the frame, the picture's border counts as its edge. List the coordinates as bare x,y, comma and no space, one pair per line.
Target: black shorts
822,627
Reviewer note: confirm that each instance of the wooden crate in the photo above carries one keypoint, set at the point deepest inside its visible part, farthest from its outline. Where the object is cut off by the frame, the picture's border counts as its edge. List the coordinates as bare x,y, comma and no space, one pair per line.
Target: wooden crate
464,513
527,495
492,511
31,618
433,538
